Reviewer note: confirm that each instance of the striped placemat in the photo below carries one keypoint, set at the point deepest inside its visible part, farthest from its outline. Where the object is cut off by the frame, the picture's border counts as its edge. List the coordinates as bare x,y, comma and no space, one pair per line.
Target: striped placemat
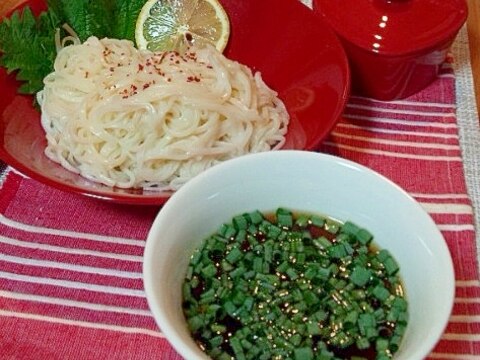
70,267
415,142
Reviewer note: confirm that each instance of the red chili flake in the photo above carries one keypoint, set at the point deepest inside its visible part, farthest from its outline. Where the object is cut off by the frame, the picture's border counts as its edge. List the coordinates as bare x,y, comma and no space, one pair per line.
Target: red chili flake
177,62
197,79
146,86
192,56
190,79
140,67
112,69
169,79
133,87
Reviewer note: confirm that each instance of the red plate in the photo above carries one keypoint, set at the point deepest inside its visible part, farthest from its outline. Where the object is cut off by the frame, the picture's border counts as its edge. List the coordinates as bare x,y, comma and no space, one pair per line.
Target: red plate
297,54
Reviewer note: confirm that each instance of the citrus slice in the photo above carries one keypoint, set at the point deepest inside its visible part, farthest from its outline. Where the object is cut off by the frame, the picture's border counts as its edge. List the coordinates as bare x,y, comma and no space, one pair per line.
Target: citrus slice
176,24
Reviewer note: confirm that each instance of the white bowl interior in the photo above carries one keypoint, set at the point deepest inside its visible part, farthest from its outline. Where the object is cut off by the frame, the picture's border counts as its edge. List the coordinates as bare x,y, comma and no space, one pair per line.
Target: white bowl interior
309,182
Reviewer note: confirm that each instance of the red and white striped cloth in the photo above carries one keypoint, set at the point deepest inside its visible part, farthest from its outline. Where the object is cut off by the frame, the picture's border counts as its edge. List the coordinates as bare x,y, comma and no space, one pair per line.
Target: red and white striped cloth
70,267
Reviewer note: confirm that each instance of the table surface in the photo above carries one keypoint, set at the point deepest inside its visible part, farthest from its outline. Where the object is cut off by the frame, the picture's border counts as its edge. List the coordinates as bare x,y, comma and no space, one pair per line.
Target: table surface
453,335
473,26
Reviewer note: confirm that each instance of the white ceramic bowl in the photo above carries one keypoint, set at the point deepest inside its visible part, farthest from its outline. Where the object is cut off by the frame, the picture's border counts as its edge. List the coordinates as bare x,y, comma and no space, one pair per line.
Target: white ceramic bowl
311,182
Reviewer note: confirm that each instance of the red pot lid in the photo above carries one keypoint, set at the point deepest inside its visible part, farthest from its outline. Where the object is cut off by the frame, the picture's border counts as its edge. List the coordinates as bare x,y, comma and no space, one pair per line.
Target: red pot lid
394,27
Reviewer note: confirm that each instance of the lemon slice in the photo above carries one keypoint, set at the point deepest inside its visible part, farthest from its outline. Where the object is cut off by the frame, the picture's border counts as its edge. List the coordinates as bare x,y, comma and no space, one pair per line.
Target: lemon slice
176,24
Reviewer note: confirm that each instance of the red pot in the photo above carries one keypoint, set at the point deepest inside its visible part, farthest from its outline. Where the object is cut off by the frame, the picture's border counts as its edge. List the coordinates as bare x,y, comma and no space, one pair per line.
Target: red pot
395,47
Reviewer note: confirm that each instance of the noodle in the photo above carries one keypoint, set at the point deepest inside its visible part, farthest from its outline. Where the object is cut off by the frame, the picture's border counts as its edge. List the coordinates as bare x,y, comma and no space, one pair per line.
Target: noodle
130,118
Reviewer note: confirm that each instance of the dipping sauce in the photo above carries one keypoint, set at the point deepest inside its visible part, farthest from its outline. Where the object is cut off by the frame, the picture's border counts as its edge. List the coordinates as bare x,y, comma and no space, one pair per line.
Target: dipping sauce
294,286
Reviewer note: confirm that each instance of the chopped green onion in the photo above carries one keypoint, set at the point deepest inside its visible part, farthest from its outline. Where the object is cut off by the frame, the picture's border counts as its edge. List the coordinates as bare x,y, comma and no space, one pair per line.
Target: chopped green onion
302,221
381,344
360,276
209,271
262,289
256,217
228,231
216,341
240,222
364,236
337,251
303,354
350,228
322,242
313,328
273,232
237,272
332,227
195,323
284,218
380,292
391,266
317,221
292,273
363,343
234,255
241,235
